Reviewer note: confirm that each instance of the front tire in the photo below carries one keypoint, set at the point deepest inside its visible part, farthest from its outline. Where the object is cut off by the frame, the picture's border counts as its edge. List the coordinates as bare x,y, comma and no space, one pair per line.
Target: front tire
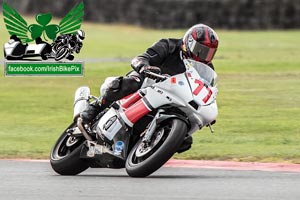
65,155
62,53
168,136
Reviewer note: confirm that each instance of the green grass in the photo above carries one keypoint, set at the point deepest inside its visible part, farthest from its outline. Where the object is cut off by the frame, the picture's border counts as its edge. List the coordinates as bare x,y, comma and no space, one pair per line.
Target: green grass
259,98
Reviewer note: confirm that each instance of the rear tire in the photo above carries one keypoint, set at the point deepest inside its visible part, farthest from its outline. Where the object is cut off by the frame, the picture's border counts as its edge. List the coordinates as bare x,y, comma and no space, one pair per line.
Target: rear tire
65,155
170,134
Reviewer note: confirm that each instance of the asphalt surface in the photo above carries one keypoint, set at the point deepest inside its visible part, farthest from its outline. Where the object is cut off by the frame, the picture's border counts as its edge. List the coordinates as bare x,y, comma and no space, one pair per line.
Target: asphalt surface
36,180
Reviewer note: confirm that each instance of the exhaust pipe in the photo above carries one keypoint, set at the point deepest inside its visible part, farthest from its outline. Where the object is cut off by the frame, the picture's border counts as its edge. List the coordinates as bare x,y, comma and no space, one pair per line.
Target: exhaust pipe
81,100
83,131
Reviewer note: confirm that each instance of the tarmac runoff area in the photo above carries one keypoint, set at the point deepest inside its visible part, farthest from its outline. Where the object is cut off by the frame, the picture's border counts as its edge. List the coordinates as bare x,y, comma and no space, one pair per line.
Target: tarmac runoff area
224,165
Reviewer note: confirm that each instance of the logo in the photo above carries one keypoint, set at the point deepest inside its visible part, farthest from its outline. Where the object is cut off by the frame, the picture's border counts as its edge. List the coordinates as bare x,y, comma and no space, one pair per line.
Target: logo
31,46
180,83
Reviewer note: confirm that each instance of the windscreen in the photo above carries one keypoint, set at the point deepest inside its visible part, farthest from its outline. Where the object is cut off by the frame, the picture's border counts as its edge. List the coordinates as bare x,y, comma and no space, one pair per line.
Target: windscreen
206,73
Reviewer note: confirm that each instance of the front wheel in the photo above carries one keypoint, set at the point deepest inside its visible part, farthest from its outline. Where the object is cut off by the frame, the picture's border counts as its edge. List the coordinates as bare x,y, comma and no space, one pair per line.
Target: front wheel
144,159
61,53
65,155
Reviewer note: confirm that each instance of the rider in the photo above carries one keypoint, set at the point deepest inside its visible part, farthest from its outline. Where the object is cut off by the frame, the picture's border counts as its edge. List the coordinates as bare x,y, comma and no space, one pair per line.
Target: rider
199,43
75,39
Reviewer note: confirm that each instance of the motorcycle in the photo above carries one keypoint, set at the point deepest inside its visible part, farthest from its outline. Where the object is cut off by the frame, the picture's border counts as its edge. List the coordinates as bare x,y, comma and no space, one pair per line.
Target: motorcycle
141,131
63,48
59,49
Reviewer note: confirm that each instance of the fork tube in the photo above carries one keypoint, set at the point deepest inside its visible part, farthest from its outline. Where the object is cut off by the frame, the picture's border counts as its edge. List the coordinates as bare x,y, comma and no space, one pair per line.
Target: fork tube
135,112
130,99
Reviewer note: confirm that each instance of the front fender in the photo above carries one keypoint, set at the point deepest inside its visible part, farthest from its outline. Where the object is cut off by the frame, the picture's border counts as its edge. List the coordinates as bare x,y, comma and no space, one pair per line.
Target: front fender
165,115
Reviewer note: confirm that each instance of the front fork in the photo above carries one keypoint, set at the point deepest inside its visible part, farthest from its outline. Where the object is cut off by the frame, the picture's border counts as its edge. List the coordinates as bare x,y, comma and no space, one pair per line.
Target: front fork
148,133
158,118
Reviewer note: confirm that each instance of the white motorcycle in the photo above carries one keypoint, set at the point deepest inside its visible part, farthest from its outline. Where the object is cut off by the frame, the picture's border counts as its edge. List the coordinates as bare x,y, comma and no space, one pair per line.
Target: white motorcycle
142,131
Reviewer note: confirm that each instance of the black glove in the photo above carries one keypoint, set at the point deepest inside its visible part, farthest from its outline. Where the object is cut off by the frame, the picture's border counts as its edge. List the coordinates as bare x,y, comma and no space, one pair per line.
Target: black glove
153,69
138,63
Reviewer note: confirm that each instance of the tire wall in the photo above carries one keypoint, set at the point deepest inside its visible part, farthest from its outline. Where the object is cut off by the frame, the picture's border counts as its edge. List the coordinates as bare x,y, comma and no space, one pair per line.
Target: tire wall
169,14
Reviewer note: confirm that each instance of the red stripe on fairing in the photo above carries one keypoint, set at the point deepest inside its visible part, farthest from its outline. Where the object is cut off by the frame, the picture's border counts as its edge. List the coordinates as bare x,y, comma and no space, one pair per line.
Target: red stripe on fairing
137,111
130,99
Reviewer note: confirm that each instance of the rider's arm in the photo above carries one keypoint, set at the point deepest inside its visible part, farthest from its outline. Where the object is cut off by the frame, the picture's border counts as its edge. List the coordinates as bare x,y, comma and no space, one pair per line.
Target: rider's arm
62,38
155,55
59,38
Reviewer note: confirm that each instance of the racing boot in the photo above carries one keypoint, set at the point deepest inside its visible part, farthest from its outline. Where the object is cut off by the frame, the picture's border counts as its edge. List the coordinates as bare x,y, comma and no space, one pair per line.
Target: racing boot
92,111
70,57
186,144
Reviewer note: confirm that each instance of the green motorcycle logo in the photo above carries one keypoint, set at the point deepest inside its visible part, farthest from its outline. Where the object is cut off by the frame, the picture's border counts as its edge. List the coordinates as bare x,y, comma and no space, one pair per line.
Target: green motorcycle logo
16,24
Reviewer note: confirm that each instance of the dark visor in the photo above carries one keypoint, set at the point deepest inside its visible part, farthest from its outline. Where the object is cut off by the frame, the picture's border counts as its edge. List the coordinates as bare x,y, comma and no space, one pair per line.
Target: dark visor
203,52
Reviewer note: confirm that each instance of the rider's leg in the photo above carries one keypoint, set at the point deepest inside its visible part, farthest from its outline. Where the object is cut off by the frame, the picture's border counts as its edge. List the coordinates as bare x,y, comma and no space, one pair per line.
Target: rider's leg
117,89
186,144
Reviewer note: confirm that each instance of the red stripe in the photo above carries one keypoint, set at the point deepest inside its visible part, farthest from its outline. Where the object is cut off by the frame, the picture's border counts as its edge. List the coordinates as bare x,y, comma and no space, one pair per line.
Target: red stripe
194,34
285,167
137,111
130,99
206,37
205,99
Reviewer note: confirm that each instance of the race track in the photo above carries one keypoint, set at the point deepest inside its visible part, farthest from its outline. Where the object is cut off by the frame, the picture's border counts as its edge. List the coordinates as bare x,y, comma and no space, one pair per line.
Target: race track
36,180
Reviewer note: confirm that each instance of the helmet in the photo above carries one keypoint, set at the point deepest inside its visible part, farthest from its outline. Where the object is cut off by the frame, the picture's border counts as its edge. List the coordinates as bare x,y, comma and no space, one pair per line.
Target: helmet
80,35
200,43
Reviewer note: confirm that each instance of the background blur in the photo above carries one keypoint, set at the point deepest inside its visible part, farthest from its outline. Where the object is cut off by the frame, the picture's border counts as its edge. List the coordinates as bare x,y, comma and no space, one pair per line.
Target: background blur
229,14
257,62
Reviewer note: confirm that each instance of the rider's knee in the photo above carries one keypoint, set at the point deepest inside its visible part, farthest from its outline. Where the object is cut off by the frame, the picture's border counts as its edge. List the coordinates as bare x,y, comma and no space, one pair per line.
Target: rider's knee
108,84
115,88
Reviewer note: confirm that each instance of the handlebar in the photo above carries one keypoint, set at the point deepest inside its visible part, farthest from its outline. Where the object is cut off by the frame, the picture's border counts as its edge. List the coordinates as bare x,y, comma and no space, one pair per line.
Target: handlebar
155,76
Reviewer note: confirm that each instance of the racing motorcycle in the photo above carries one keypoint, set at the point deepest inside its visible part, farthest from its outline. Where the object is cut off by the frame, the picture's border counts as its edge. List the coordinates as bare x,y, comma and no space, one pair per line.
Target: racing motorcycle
63,48
142,131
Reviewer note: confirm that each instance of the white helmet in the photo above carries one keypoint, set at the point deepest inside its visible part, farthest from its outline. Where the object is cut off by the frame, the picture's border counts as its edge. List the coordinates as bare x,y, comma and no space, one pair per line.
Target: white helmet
80,35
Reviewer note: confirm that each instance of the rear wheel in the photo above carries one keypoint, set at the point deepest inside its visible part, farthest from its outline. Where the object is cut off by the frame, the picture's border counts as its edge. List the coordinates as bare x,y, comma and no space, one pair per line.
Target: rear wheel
146,158
65,155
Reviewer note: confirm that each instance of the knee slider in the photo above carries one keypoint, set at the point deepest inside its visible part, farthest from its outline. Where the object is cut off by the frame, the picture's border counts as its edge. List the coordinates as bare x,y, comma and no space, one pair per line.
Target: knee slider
131,84
110,83
115,85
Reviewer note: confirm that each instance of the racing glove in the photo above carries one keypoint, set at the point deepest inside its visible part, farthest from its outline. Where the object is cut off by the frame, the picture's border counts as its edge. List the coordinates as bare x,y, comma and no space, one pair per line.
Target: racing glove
141,65
138,63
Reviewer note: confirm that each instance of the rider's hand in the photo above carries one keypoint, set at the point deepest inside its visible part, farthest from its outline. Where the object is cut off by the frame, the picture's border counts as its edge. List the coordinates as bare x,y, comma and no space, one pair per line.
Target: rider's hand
138,63
153,69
